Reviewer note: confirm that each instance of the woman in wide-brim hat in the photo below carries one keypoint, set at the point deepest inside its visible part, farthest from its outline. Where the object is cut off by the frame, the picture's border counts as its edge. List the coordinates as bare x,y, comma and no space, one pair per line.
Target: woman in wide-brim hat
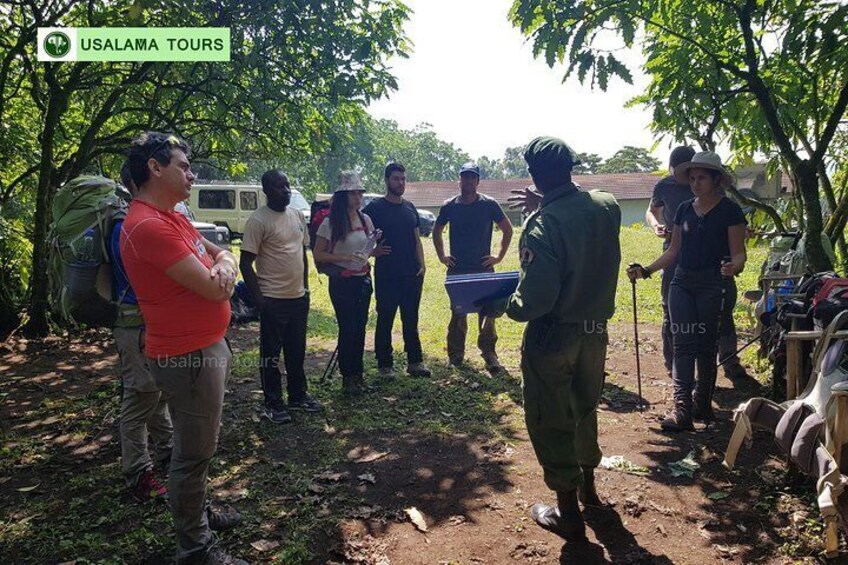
709,241
343,243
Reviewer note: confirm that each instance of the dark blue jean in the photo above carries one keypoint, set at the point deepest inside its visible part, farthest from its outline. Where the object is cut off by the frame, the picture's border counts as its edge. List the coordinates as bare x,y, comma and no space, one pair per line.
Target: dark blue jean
351,298
695,303
282,325
727,341
395,293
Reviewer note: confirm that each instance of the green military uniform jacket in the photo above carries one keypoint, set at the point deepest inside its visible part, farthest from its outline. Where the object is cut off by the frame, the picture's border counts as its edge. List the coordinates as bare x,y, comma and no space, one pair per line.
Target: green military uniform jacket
570,257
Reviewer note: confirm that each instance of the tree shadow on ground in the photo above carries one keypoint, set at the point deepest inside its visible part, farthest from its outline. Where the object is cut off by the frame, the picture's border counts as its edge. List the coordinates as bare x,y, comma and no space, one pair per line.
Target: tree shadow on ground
616,398
620,544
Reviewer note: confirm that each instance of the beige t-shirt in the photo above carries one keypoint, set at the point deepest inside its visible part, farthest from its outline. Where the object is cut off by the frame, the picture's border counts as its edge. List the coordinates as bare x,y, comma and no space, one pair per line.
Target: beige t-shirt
277,239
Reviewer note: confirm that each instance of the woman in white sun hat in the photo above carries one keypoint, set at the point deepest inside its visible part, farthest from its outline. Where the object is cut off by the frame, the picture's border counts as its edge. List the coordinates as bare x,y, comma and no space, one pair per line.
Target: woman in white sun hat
345,240
709,240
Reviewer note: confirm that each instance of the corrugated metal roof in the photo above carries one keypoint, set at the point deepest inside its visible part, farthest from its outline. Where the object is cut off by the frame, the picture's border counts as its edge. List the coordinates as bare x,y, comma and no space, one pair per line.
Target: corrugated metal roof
628,186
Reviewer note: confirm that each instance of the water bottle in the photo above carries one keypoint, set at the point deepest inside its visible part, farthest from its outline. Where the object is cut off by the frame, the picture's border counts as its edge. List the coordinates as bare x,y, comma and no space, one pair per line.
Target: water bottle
85,248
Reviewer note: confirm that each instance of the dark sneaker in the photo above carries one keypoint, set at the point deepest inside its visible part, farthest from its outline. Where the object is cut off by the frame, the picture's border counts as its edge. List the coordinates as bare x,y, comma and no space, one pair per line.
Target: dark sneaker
306,403
735,373
277,414
456,362
493,364
549,518
418,370
148,488
353,385
387,372
222,519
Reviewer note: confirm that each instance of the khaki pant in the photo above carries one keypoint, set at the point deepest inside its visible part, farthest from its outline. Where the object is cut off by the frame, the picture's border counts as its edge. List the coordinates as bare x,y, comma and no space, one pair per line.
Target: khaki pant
143,410
458,329
563,376
193,384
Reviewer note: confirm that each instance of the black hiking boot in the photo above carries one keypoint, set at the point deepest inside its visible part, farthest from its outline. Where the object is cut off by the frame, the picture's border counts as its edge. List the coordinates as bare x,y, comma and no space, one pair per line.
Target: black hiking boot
702,410
564,520
587,493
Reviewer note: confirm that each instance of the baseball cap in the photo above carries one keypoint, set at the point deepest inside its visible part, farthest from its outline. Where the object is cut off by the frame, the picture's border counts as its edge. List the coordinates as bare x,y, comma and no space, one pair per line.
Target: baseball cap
470,167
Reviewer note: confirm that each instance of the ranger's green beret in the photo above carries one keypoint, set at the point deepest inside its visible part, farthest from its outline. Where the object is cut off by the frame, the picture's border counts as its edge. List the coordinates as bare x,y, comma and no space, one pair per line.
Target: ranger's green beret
549,153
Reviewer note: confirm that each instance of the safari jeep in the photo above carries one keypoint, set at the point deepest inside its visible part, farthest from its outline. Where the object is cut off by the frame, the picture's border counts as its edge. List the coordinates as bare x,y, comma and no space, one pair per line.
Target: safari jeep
230,205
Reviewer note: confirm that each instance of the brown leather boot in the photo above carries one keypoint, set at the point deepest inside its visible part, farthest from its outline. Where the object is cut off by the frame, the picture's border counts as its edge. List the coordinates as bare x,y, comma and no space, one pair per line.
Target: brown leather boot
587,494
678,420
564,519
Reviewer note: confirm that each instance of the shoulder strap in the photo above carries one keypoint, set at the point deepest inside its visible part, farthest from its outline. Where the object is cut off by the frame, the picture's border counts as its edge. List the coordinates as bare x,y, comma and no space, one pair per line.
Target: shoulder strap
365,226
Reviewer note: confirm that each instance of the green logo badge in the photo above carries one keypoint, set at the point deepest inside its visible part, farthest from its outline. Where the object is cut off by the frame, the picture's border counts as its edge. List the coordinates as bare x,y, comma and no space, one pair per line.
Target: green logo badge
57,44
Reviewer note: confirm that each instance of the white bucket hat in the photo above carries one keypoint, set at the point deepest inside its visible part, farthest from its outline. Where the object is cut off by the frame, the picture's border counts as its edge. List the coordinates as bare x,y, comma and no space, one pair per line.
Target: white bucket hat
349,181
703,160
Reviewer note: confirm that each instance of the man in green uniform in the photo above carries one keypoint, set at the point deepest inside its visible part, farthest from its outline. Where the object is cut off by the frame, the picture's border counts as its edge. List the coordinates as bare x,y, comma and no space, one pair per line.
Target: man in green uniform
570,257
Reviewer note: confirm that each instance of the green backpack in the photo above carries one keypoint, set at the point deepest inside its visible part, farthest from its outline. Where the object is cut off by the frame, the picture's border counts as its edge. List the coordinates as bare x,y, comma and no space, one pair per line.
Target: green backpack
84,211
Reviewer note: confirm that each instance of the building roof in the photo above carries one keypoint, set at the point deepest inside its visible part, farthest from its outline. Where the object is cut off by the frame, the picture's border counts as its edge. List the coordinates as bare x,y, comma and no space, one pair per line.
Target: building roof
627,186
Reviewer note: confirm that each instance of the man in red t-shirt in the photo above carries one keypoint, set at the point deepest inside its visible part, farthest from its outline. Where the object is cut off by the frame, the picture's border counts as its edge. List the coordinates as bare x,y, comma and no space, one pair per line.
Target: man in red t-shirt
183,284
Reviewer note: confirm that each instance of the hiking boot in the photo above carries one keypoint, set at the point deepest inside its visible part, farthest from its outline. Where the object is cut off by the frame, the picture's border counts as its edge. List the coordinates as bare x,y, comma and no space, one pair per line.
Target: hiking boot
222,519
306,403
564,520
352,385
493,364
702,410
387,372
148,488
587,494
678,420
418,370
217,556
277,414
456,362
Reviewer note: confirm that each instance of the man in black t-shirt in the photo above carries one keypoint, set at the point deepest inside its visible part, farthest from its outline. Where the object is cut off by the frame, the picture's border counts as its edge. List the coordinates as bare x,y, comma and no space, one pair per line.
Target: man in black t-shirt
471,216
398,273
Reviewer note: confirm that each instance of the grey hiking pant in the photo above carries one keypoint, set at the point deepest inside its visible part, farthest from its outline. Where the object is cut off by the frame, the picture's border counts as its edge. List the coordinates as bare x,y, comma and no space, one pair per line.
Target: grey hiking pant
143,410
193,384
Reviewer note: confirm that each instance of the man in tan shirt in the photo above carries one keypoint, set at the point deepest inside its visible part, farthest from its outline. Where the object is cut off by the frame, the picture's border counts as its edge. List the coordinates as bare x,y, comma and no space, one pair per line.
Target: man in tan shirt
275,237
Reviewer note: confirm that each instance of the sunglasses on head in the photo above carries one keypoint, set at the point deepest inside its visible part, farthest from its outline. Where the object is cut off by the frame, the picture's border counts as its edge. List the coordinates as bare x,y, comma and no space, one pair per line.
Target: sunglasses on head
171,140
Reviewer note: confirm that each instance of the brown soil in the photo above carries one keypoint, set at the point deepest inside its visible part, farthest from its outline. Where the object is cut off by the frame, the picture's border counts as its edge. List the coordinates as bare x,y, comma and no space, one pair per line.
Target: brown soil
473,493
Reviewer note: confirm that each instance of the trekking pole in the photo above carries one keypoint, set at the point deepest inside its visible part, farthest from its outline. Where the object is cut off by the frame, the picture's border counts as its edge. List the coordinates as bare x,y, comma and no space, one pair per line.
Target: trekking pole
724,280
331,365
744,347
636,340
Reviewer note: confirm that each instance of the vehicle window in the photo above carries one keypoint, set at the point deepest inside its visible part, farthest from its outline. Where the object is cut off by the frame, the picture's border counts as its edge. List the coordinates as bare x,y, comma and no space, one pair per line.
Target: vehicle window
247,200
298,202
217,199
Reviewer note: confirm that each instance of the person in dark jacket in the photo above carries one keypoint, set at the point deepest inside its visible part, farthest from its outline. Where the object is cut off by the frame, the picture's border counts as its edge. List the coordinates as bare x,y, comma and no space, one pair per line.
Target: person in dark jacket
570,256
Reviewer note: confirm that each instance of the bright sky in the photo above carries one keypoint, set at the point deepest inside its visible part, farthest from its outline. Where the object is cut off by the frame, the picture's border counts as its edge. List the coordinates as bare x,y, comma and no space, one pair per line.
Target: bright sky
473,77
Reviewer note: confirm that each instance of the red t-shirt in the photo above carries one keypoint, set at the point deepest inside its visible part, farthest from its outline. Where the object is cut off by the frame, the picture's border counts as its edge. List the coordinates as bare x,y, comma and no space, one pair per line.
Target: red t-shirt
177,320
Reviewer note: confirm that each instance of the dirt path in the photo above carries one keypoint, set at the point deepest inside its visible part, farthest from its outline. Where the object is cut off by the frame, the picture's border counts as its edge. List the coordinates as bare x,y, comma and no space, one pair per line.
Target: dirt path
472,490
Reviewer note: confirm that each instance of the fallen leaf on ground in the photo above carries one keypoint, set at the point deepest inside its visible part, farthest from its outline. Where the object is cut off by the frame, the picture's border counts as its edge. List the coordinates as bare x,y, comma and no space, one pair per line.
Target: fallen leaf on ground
316,488
264,545
416,518
661,529
718,495
330,476
367,478
370,457
619,463
686,467
456,520
29,489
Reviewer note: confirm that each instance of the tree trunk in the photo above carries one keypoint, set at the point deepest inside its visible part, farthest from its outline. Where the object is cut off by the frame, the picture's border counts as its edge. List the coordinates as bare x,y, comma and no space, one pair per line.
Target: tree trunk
806,181
39,289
